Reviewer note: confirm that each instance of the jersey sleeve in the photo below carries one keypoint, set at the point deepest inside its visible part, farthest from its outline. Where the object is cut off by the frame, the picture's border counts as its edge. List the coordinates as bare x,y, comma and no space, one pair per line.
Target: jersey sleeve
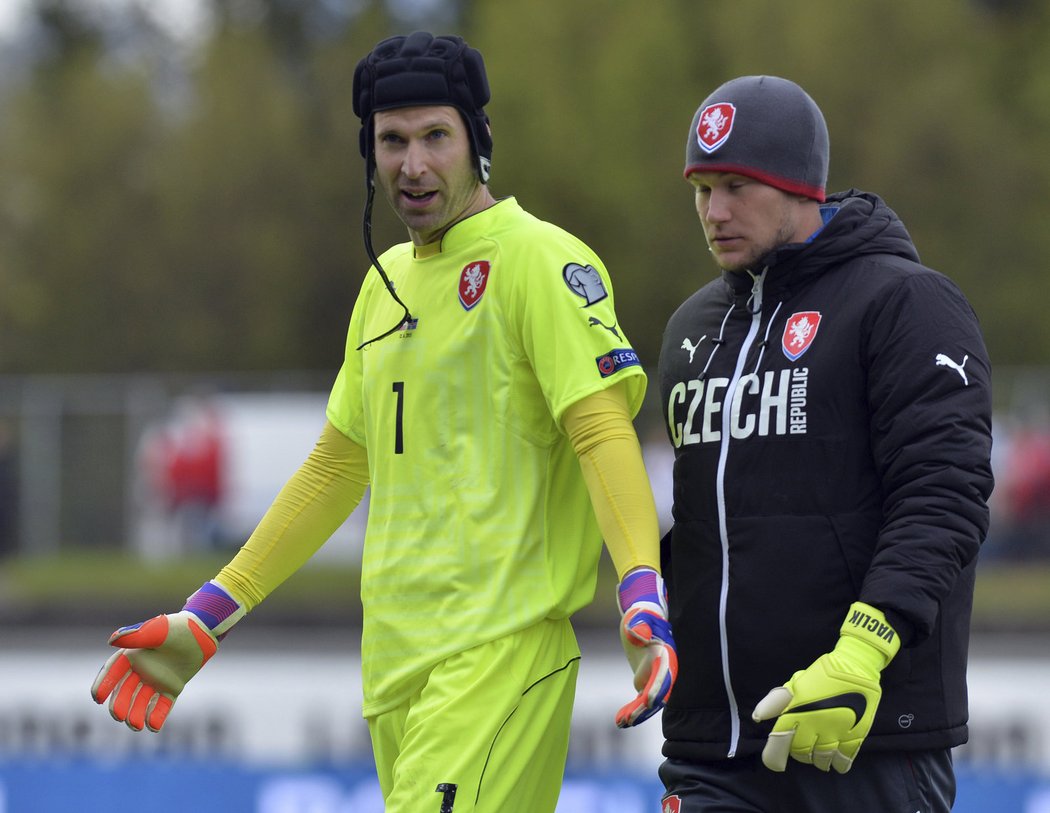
604,439
569,328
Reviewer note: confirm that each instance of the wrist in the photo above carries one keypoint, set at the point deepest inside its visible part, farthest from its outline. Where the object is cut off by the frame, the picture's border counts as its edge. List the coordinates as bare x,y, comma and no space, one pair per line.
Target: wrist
643,586
867,625
216,608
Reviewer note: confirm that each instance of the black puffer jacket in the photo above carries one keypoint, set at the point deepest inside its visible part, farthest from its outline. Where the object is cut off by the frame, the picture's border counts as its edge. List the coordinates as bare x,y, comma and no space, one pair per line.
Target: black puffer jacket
831,419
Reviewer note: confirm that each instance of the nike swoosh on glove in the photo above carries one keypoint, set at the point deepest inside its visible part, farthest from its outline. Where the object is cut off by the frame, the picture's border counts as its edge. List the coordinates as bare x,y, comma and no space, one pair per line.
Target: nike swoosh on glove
157,657
647,641
825,711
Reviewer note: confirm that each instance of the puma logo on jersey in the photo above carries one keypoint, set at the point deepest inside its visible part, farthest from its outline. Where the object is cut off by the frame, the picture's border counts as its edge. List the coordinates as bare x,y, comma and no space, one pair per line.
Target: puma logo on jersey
688,345
943,361
599,323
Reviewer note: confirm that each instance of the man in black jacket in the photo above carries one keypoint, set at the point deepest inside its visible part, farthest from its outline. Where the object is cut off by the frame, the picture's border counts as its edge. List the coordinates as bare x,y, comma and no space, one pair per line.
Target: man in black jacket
828,399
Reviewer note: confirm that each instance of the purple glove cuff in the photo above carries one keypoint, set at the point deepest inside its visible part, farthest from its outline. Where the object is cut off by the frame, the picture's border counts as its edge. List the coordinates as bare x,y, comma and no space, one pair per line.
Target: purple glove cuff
212,605
640,585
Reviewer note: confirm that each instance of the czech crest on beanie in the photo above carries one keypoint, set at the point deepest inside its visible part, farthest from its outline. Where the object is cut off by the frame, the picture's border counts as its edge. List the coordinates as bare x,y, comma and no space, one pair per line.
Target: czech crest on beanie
715,125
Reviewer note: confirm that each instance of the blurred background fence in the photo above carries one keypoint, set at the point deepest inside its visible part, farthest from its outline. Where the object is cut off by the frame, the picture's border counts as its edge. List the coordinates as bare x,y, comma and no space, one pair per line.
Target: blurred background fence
163,465
95,462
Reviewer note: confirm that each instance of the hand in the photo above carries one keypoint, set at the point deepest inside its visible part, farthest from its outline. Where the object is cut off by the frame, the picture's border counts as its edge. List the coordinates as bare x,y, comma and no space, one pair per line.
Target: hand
646,637
825,712
157,657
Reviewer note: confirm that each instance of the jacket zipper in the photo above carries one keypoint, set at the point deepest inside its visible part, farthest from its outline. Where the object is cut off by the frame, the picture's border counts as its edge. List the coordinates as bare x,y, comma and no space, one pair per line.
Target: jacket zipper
723,533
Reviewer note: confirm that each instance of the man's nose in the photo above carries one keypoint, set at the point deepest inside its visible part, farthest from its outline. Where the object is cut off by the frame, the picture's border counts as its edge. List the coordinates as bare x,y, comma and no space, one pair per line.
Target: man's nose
717,209
413,165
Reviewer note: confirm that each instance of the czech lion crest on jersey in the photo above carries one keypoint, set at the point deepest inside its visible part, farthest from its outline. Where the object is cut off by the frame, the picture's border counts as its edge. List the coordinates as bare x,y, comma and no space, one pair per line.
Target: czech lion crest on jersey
472,282
799,333
715,125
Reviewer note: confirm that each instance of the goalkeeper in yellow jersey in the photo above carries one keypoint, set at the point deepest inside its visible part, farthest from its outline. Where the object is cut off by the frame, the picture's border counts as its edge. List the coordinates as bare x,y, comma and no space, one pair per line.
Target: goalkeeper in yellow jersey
486,397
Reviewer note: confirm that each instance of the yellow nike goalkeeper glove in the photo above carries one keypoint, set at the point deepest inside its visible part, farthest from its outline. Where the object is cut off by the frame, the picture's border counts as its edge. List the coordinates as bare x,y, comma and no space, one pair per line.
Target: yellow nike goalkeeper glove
825,712
158,657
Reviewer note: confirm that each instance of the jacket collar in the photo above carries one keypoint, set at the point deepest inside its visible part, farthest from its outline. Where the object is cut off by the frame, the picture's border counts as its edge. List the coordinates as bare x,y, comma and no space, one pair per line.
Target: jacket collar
862,224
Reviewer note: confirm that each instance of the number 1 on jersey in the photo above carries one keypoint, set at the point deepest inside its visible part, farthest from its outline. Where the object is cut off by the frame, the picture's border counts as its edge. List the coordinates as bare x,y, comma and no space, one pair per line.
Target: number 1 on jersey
399,430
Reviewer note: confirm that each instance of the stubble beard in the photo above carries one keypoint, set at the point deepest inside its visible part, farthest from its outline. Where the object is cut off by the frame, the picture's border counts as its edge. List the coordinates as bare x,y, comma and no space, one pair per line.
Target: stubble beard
754,259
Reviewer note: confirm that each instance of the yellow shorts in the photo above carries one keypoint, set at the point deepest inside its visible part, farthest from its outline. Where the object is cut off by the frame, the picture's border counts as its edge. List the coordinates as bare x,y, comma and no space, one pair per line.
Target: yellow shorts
488,732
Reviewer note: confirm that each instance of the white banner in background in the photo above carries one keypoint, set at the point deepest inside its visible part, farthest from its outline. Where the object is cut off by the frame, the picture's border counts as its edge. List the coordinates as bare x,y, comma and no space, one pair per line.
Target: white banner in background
301,707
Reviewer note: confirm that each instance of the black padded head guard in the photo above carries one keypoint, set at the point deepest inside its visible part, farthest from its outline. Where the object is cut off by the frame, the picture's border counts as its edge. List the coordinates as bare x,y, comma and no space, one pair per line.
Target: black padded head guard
422,69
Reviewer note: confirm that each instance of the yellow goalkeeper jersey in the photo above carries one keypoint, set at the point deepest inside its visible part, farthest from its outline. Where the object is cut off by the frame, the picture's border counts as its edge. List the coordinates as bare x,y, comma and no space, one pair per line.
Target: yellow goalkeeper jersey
479,523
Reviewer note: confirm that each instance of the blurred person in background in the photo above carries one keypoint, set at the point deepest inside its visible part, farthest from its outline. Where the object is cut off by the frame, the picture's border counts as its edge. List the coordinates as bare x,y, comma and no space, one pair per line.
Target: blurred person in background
828,398
493,423
1021,514
182,463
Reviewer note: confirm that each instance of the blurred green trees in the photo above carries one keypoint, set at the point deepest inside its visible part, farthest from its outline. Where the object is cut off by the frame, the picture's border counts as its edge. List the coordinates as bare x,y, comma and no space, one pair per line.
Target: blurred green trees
197,206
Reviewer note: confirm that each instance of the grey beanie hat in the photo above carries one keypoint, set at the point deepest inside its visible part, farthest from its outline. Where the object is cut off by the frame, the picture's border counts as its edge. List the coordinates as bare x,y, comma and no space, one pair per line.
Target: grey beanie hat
766,128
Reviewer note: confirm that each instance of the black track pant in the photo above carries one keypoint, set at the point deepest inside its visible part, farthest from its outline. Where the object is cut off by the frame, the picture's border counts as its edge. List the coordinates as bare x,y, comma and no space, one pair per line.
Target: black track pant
878,782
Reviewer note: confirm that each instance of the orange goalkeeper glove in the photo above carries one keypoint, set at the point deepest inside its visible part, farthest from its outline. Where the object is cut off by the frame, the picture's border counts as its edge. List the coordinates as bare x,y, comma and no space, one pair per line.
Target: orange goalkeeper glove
159,656
646,637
